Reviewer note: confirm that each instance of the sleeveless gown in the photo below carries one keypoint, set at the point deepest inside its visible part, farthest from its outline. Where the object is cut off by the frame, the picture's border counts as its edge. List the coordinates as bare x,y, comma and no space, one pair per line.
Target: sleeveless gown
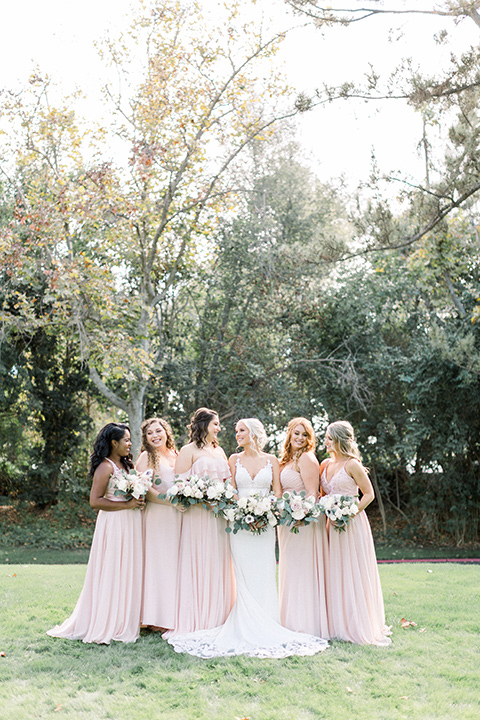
354,595
109,605
253,627
206,590
162,526
302,560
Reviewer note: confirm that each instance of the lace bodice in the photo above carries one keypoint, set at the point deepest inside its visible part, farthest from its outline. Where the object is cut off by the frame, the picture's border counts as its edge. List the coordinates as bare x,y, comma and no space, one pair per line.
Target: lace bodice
262,482
340,484
116,475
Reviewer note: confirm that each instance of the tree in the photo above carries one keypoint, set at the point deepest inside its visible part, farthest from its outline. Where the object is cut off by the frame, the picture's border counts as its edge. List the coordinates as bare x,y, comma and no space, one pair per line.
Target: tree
454,90
117,242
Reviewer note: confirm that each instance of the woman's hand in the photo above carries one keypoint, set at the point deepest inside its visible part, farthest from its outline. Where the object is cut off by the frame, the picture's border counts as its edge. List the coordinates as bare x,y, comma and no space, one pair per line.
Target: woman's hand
135,504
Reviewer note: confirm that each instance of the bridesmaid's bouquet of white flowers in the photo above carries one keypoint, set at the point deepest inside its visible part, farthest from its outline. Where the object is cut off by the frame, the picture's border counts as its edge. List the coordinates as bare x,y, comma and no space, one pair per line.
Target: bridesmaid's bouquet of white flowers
255,513
202,490
339,509
296,510
133,484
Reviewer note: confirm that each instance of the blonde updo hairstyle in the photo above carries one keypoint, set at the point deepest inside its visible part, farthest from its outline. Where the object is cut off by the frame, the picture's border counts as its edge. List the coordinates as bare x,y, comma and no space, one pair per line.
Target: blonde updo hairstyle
258,436
170,442
343,439
288,453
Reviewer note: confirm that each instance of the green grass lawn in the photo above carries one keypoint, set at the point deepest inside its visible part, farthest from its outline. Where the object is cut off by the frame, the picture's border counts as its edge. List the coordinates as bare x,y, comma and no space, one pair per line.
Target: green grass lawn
431,671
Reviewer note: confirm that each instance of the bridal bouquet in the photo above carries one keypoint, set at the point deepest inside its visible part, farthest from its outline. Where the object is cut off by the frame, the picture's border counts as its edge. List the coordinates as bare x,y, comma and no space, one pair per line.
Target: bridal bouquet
133,484
296,509
339,509
202,490
255,512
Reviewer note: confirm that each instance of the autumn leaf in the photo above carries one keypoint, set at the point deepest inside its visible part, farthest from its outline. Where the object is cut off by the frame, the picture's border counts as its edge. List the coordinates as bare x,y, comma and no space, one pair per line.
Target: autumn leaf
349,689
403,697
58,708
407,623
2,654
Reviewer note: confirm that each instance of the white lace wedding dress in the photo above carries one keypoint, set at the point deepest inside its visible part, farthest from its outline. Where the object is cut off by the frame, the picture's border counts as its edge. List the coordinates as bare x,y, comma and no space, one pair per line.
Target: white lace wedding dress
253,626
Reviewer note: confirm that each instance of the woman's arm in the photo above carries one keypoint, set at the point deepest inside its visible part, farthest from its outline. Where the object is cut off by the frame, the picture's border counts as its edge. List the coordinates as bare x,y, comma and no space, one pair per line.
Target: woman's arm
184,459
276,487
232,462
359,474
99,488
310,474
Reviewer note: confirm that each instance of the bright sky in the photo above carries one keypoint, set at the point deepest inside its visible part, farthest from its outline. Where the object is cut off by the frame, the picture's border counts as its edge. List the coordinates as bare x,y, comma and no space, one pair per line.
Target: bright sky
59,36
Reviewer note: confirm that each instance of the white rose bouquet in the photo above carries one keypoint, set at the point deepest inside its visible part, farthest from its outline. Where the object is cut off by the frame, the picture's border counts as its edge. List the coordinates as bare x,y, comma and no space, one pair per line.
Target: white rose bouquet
296,510
133,484
197,489
255,513
339,509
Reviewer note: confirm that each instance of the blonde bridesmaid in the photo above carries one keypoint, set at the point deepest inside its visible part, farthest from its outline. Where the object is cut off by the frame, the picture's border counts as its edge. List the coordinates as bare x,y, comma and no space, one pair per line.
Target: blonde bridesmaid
162,527
302,556
355,602
109,605
206,588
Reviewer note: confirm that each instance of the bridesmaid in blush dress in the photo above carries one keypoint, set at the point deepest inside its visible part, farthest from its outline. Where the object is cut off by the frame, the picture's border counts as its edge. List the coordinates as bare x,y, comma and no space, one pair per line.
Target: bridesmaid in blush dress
354,595
206,590
302,556
162,526
109,605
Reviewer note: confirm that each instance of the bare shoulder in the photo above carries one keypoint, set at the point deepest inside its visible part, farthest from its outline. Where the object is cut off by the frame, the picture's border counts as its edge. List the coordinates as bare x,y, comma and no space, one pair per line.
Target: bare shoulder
234,457
354,466
273,459
142,462
308,460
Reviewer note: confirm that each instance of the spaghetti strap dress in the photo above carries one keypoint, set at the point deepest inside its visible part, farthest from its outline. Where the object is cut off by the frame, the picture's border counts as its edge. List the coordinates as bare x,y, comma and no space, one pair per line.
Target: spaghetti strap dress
110,602
354,594
302,560
206,589
162,526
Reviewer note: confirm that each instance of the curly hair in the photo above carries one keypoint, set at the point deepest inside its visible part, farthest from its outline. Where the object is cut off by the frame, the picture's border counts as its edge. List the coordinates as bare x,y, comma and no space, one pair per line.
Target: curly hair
257,433
343,439
198,427
288,453
102,447
170,442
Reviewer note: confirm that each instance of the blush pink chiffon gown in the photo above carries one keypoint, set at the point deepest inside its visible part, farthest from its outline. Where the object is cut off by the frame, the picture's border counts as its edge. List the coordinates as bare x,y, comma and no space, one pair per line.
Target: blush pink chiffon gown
206,588
354,595
162,527
109,605
302,560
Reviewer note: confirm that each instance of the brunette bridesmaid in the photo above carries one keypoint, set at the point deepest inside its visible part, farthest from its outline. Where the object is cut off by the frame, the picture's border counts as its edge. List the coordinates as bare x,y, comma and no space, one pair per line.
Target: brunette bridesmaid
354,600
302,556
162,526
109,605
206,586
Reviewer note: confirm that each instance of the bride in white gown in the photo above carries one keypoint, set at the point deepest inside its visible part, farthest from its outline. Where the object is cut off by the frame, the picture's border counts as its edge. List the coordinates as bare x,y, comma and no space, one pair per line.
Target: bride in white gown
253,626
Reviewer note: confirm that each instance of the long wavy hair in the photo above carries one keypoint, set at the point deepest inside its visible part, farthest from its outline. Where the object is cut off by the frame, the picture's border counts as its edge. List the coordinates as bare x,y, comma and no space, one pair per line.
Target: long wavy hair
288,454
170,442
198,427
257,433
343,439
102,447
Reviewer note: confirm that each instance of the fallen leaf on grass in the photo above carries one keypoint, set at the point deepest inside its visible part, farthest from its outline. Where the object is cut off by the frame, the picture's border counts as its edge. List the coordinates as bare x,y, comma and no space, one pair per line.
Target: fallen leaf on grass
239,718
2,654
403,697
423,630
407,623
349,689
59,707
